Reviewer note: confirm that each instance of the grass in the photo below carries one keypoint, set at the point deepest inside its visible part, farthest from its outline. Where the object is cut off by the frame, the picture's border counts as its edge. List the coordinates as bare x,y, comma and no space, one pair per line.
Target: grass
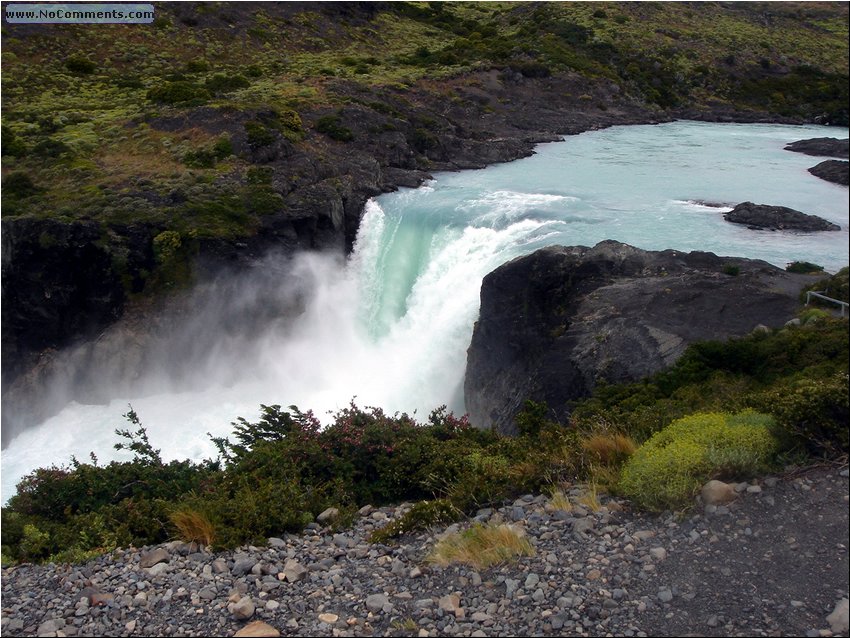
193,526
482,546
560,501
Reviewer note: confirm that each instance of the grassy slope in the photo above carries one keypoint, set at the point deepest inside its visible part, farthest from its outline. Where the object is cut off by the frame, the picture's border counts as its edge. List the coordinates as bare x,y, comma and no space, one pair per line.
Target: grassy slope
88,146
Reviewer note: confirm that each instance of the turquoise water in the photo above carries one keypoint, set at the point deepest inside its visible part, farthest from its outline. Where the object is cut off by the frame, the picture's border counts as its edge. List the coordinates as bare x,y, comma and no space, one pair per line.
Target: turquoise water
391,325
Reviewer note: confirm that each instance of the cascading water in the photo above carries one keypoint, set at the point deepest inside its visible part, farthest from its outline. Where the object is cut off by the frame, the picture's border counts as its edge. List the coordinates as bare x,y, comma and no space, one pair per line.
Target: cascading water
390,326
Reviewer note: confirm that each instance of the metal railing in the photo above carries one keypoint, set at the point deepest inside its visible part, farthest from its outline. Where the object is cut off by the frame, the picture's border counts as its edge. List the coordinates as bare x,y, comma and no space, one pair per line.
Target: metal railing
818,295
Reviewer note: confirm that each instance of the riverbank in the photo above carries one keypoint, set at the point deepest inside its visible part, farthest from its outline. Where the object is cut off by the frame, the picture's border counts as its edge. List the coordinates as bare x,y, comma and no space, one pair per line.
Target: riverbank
773,562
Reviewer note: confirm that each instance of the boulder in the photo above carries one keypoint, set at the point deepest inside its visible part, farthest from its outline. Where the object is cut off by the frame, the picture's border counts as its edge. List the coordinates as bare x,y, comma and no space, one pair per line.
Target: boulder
555,323
835,171
821,146
151,558
764,217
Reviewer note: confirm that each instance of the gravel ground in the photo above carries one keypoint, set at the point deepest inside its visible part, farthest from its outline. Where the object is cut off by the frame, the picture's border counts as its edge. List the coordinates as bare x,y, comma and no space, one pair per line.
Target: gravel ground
774,562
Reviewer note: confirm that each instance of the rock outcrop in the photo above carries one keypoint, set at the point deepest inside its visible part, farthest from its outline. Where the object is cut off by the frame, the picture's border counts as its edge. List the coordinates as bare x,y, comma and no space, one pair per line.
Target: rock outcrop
764,217
835,171
821,147
555,323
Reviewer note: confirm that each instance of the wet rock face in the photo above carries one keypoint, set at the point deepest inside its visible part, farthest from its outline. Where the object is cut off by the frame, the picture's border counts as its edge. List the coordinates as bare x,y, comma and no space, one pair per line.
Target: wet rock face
62,280
763,217
555,323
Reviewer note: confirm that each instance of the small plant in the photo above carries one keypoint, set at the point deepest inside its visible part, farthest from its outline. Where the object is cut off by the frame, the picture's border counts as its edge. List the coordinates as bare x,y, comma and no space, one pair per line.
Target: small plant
803,267
482,546
221,83
609,449
422,515
590,497
193,526
731,270
80,65
138,441
259,134
19,184
560,501
331,126
178,93
408,624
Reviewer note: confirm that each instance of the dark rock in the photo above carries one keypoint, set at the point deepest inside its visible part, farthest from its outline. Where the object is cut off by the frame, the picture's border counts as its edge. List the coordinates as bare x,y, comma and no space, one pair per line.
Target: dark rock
821,146
835,171
764,217
555,323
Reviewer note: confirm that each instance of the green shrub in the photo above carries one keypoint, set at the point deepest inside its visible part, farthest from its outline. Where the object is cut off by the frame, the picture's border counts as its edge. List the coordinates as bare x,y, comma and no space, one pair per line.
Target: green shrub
812,413
836,286
12,145
263,200
223,147
259,134
200,158
51,148
668,470
731,270
197,66
422,515
331,126
260,175
221,83
166,245
19,184
803,267
178,92
80,65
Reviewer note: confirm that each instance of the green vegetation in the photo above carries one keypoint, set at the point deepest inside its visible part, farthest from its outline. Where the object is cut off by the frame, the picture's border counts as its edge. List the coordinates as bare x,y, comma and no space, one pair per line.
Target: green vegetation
803,267
83,105
724,410
668,470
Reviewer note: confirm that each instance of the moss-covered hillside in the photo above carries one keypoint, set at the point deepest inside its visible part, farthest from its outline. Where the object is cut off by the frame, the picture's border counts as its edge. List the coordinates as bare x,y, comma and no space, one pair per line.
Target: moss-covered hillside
133,153
83,105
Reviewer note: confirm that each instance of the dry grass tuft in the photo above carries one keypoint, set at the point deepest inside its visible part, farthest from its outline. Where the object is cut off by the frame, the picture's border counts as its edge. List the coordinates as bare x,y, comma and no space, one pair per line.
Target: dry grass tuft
193,526
482,546
609,449
590,497
560,501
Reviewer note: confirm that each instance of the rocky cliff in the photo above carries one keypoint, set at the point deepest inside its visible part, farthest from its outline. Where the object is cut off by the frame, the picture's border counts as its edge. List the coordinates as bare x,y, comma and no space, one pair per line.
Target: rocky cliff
557,322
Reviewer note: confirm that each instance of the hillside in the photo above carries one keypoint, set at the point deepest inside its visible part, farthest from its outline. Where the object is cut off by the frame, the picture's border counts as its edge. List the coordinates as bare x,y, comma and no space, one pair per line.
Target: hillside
139,157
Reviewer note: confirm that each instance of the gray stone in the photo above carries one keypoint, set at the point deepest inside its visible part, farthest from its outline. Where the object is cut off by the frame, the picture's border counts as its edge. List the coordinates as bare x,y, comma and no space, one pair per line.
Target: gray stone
151,558
294,571
328,516
243,609
243,566
450,603
839,619
665,595
582,526
158,569
375,602
658,553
